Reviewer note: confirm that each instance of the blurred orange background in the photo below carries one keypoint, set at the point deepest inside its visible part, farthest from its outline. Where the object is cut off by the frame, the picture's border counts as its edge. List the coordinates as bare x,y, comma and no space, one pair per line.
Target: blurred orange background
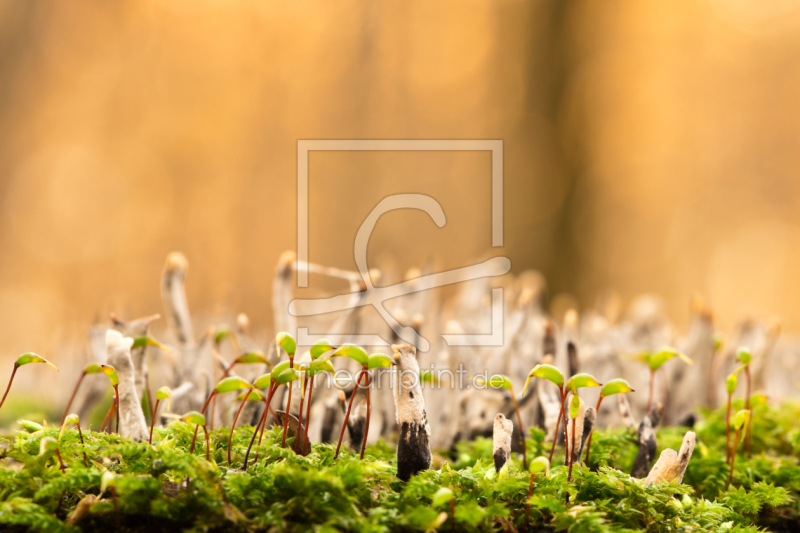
649,147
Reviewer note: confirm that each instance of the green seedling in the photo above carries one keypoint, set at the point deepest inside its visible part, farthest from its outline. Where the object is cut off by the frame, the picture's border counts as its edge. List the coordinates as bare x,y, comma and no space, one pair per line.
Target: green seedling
655,360
230,384
315,367
22,360
613,386
146,340
578,381
50,445
731,383
111,372
281,374
744,356
164,393
740,423
538,465
193,417
554,376
217,336
356,353
499,381
93,368
248,358
286,341
445,496
73,419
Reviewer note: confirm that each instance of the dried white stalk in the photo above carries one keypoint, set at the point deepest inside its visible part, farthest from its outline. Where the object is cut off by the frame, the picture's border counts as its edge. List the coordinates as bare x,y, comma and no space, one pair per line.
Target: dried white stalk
647,442
413,449
589,418
501,440
131,418
625,411
670,465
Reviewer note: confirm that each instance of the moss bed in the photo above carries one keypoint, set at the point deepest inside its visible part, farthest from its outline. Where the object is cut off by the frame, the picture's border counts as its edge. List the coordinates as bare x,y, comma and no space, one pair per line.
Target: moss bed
164,488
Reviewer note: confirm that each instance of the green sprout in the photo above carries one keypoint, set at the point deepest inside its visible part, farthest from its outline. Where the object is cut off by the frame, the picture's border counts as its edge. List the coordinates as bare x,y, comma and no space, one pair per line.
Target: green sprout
538,465
93,368
193,417
499,381
286,341
229,384
73,419
247,358
317,366
111,372
367,362
744,356
318,349
578,381
655,360
146,340
613,386
48,445
24,359
740,423
164,393
731,383
553,375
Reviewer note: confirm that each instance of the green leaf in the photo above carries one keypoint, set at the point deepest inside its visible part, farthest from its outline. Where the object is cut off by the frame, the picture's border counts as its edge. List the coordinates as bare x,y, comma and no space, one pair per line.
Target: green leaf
47,444
221,333
574,406
548,372
743,355
441,497
540,464
92,368
140,342
193,417
731,383
253,395
354,352
231,384
164,393
379,360
263,381
31,357
111,372
290,374
757,400
741,420
582,380
615,386
319,366
106,479
252,358
320,347
280,367
71,419
657,359
426,376
286,341
29,426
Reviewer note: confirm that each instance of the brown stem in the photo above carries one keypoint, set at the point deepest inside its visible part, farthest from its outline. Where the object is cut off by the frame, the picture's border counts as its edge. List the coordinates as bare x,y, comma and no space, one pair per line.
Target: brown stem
72,397
558,423
150,403
297,438
9,384
261,422
521,432
347,415
366,427
308,413
733,457
116,508
589,442
116,395
205,406
60,461
230,436
83,446
650,390
153,424
108,414
288,407
728,431
571,452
